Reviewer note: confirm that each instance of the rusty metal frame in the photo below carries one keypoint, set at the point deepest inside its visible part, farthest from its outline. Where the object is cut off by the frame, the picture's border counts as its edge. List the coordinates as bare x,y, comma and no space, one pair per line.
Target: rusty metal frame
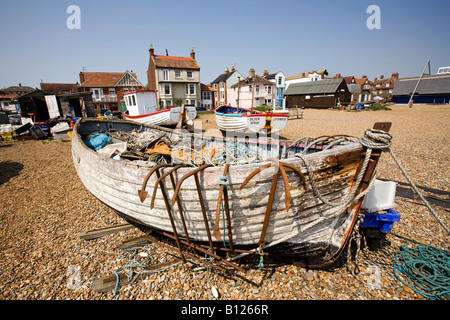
280,170
208,250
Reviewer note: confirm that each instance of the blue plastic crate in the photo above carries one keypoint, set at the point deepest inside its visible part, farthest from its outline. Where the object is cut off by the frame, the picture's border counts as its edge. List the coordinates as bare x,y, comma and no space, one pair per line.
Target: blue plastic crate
383,221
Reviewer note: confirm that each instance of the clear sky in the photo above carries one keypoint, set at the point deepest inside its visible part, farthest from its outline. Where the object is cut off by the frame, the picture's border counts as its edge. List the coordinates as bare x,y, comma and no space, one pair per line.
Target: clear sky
292,36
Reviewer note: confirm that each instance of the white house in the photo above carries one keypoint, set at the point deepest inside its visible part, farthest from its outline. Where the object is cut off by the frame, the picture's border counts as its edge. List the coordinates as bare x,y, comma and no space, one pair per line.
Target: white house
306,77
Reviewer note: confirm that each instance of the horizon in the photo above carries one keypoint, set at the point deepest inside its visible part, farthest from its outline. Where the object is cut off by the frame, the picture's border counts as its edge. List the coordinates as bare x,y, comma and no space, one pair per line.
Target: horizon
288,36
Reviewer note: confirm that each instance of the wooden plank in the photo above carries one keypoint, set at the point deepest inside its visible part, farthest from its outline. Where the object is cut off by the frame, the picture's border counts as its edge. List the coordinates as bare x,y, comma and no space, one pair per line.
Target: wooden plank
134,243
101,232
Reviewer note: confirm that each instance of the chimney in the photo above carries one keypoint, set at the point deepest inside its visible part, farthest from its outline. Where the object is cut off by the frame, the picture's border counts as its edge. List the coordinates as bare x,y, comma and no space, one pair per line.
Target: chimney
232,69
381,77
375,80
192,54
395,75
226,70
81,77
338,76
20,84
251,73
151,50
364,77
266,73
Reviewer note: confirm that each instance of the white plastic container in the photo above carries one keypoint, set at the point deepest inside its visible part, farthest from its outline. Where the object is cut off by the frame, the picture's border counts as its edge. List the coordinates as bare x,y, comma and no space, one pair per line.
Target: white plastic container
380,197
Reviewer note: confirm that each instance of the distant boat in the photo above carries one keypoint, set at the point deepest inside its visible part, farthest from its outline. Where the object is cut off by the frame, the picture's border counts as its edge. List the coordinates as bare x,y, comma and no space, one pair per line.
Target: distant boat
242,119
141,107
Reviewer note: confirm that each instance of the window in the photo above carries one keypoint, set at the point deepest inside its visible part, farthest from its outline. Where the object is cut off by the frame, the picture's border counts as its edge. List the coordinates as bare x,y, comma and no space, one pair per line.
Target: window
206,95
133,99
268,89
168,103
280,81
189,74
190,88
167,89
257,89
165,74
177,74
112,92
193,102
125,90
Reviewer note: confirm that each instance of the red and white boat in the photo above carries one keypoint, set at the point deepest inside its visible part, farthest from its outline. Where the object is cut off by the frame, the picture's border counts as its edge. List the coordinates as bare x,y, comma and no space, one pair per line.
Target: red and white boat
242,119
142,107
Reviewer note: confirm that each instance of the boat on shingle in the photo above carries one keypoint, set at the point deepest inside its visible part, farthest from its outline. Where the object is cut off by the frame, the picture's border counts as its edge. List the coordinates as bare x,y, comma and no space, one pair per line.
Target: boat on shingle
142,107
246,120
297,198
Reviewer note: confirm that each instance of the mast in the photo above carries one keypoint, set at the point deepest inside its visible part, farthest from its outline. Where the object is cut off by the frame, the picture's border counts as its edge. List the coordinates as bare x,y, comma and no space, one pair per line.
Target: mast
417,85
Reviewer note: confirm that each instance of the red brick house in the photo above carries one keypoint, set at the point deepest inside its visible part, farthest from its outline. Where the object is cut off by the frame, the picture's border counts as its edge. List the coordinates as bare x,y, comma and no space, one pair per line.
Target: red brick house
108,87
384,87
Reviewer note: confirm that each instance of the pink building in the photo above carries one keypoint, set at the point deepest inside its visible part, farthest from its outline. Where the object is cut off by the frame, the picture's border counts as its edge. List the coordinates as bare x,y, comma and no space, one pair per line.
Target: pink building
252,91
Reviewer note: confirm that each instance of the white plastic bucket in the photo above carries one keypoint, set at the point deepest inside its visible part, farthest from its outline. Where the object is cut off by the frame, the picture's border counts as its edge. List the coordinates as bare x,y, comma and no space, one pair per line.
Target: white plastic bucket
380,197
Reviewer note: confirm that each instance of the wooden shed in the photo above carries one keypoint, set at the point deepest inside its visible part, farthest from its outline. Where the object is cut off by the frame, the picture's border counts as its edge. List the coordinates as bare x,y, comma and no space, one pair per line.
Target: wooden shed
323,94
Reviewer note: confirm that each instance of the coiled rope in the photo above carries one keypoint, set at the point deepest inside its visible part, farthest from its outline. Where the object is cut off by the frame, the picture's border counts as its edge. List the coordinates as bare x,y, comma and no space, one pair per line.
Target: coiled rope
425,269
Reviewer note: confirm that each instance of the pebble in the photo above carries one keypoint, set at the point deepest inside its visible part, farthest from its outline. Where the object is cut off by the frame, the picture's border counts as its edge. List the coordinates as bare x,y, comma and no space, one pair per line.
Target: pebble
43,205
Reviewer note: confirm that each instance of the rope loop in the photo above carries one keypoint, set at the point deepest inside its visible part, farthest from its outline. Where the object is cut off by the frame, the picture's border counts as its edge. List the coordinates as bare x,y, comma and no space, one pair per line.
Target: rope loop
376,139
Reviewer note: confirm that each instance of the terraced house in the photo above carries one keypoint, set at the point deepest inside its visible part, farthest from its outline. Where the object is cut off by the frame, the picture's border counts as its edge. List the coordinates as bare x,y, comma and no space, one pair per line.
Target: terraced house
175,79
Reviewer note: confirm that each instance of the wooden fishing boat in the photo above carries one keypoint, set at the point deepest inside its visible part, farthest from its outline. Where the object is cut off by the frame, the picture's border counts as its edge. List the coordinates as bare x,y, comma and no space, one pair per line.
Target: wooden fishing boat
141,107
245,120
265,202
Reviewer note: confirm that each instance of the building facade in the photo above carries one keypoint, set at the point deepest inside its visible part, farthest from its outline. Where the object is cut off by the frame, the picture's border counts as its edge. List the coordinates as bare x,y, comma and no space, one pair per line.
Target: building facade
107,88
328,93
306,77
434,89
384,87
175,79
208,95
279,79
222,85
252,91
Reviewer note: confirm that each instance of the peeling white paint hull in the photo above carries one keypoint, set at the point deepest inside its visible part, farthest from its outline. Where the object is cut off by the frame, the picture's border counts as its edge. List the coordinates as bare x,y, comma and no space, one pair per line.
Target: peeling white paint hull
308,228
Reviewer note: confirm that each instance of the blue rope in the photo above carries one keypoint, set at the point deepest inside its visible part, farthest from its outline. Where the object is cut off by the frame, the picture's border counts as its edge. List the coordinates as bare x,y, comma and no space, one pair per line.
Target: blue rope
117,282
426,269
223,181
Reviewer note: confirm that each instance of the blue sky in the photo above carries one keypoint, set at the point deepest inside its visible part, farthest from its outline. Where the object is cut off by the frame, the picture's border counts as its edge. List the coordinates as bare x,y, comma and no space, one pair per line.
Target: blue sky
292,36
